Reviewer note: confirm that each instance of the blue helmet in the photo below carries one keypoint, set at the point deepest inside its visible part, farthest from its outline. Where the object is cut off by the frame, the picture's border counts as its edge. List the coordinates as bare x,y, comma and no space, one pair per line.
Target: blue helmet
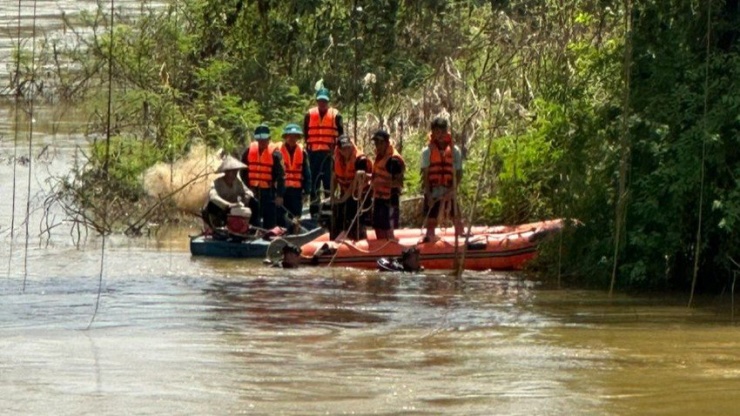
323,94
262,132
292,128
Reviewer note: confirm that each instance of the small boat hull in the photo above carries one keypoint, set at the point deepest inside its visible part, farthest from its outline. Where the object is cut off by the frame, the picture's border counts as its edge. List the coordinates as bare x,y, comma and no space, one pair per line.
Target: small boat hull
207,246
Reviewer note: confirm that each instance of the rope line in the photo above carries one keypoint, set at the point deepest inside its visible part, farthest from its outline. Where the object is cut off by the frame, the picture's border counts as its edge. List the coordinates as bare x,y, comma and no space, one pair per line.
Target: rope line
620,209
352,223
16,127
697,251
106,161
30,144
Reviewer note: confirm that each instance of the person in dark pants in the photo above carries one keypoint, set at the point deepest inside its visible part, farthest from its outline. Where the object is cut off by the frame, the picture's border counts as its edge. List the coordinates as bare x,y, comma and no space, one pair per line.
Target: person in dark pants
321,126
350,187
387,181
265,175
297,177
228,191
441,171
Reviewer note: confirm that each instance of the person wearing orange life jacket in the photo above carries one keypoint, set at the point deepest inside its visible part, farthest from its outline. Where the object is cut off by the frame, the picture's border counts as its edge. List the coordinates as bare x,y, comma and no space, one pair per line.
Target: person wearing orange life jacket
387,181
265,175
349,186
322,125
440,160
297,176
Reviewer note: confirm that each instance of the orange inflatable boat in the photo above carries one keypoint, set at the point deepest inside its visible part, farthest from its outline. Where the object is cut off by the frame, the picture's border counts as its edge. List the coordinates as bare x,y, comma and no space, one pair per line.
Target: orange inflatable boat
420,232
488,248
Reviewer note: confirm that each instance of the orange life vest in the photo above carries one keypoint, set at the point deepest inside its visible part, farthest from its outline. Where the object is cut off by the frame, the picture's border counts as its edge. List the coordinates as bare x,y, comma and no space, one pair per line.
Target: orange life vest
322,131
383,181
344,173
260,166
293,166
441,166
448,138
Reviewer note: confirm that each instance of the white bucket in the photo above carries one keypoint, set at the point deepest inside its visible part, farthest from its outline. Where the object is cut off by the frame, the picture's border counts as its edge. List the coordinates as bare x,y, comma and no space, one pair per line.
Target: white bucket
237,221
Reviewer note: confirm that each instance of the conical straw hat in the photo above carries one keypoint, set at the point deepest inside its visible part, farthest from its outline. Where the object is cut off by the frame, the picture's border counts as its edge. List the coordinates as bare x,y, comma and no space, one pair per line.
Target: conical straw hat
230,163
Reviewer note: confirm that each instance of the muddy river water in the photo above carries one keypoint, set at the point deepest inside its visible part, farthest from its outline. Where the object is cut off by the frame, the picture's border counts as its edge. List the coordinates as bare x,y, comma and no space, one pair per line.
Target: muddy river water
180,335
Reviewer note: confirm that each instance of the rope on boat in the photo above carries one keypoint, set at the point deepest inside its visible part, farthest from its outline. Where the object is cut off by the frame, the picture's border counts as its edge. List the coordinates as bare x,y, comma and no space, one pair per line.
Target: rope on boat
349,243
352,223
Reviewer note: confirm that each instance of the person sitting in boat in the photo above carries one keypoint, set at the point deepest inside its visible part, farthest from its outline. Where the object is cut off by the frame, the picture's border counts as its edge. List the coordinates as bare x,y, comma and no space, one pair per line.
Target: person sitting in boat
387,181
265,175
297,177
408,262
441,171
227,192
350,188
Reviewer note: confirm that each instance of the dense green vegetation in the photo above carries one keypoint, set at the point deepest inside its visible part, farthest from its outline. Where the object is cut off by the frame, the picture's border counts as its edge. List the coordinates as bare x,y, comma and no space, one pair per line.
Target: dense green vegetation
623,116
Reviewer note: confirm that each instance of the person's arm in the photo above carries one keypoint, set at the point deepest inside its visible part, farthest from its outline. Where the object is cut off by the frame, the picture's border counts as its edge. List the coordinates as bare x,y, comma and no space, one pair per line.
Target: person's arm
244,173
333,185
246,193
340,125
395,168
306,120
361,163
368,165
457,165
278,173
424,165
307,182
215,197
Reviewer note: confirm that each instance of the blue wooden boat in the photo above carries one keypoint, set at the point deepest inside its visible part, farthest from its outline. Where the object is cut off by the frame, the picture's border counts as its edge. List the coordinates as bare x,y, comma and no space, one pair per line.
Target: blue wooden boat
258,246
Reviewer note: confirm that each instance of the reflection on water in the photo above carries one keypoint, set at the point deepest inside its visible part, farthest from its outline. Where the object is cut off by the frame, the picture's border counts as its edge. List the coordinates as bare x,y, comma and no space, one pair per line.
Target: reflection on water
196,336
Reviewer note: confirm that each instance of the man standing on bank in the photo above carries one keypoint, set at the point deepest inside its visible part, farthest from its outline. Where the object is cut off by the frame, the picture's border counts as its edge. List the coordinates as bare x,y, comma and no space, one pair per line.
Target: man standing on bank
440,160
265,175
297,176
387,182
321,126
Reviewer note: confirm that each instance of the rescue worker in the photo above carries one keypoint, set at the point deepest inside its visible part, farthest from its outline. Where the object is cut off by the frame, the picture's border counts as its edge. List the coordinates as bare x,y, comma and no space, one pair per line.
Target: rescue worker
321,126
297,177
227,191
265,175
387,181
350,186
440,160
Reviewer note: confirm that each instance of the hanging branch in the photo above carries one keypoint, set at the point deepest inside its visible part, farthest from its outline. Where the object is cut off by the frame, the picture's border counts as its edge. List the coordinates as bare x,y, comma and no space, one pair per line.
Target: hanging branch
479,186
620,211
16,127
354,15
30,143
107,158
697,250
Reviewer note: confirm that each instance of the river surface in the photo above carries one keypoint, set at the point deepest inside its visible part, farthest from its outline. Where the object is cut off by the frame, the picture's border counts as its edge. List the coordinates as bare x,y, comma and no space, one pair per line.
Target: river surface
178,335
